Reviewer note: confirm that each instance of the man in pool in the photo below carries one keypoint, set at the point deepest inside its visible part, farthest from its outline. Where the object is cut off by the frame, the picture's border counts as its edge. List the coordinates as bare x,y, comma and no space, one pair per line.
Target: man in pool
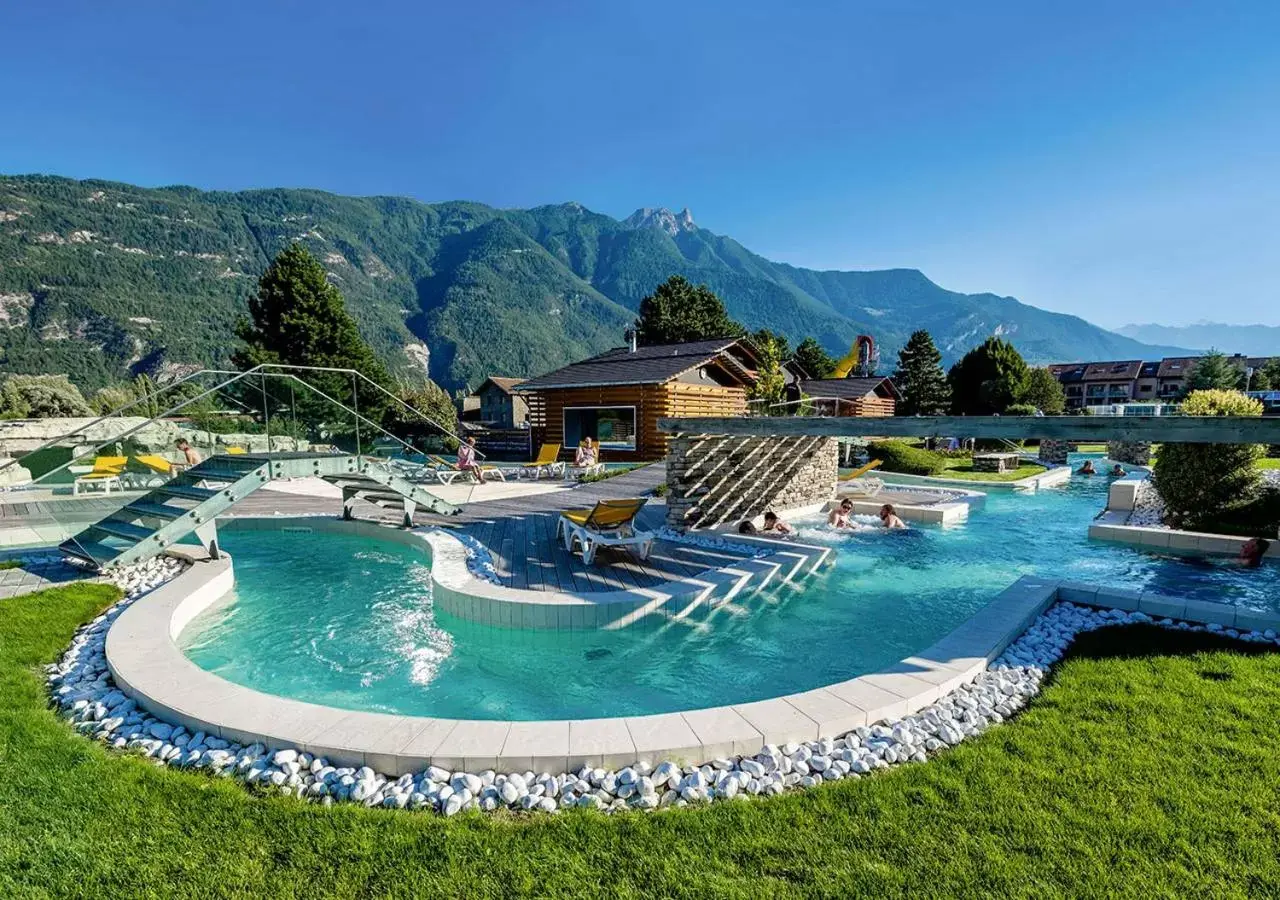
774,525
1117,471
1087,468
889,517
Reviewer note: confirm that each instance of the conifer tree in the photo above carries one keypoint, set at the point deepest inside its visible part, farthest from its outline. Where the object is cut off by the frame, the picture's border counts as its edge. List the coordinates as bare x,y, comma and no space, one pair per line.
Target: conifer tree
987,379
678,311
816,361
1213,372
920,378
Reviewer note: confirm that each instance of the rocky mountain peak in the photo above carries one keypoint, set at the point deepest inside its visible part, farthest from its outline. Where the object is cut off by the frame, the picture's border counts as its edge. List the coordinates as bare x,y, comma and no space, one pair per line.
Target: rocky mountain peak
663,218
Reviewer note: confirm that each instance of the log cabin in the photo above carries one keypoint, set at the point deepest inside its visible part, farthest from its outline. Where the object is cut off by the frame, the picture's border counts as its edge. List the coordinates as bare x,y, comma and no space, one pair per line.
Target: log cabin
617,397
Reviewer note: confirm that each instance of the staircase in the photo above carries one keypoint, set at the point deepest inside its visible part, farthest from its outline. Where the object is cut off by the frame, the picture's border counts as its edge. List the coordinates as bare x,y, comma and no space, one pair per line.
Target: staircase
192,501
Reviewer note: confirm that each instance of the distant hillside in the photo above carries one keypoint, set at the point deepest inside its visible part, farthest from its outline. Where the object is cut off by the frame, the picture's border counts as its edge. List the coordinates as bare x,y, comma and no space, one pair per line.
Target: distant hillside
99,278
1251,340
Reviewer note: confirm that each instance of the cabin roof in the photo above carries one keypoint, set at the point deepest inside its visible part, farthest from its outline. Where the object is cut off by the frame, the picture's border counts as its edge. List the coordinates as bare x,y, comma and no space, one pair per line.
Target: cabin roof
649,365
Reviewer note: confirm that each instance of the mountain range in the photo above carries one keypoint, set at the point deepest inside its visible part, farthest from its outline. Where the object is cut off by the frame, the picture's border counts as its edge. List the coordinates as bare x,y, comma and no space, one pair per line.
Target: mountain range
99,279
1251,340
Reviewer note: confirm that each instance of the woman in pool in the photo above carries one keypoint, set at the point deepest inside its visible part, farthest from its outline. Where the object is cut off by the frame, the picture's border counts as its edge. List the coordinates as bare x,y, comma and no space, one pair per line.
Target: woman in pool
1117,471
1087,468
839,517
1251,553
889,517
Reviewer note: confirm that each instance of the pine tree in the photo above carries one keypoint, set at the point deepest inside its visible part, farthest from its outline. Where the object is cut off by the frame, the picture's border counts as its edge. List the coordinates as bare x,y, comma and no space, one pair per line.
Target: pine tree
988,379
1213,372
678,311
299,318
920,378
1267,378
770,386
816,361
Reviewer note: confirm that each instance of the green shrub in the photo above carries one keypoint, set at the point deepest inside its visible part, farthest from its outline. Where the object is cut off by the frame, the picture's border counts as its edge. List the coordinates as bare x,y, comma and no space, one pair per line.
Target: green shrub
41,397
1020,409
896,456
1199,483
660,490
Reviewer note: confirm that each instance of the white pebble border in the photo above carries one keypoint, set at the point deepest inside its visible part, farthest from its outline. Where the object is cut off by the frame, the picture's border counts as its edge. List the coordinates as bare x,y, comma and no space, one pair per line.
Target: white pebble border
479,560
82,689
1148,507
708,541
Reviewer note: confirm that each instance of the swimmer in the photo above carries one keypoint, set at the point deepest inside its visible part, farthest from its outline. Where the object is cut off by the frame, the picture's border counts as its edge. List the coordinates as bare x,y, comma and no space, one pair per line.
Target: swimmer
889,517
1117,471
1251,553
748,527
774,525
839,517
1087,468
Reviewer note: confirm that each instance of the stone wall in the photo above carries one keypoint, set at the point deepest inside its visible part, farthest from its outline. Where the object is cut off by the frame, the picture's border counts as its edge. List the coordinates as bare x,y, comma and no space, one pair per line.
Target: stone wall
1135,453
1055,452
714,480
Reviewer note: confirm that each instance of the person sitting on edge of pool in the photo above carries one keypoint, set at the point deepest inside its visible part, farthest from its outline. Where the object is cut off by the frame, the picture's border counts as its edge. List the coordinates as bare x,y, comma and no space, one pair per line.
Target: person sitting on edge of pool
1252,551
1117,471
1087,468
774,525
889,517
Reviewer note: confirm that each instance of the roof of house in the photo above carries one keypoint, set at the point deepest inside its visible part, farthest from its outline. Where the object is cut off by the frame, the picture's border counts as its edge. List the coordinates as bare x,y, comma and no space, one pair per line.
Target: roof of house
851,388
1065,372
647,365
503,384
1176,366
1119,370
1149,370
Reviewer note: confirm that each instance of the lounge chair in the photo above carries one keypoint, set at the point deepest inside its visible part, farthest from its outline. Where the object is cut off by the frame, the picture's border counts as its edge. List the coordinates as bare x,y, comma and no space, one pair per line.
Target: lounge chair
160,470
447,473
105,473
868,486
610,523
547,463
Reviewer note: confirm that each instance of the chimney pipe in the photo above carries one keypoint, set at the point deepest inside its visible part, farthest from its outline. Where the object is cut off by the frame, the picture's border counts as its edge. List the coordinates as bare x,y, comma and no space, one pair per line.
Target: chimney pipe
630,336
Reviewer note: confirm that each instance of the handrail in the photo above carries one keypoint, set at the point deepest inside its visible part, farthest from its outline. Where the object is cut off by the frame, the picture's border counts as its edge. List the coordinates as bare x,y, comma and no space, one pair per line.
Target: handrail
117,412
256,370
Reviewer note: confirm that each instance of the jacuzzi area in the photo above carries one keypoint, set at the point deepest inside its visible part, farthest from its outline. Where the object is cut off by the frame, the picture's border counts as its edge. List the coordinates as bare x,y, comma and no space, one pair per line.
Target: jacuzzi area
329,636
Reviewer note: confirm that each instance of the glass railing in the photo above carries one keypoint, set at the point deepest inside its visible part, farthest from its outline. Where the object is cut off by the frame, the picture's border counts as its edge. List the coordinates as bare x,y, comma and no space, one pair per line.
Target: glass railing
83,473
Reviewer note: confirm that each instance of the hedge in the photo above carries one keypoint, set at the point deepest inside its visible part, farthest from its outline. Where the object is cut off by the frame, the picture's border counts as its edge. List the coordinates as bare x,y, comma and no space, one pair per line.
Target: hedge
896,456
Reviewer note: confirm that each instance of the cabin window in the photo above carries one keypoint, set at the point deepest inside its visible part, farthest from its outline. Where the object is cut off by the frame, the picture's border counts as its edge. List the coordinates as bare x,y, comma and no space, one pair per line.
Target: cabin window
613,426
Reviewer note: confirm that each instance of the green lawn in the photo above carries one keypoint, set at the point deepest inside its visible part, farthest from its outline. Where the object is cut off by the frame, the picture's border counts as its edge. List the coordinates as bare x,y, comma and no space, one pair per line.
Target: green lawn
1148,768
1269,462
963,468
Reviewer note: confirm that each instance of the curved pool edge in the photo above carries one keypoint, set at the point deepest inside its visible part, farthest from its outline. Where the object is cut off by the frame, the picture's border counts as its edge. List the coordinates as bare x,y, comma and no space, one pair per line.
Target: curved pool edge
147,664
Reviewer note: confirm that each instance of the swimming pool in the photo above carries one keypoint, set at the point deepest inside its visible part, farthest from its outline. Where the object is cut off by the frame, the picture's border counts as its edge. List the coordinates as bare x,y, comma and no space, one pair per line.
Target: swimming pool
347,621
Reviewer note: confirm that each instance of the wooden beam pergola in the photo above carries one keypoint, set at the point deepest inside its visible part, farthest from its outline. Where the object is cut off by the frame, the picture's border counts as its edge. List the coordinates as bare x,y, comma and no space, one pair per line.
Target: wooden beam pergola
1154,429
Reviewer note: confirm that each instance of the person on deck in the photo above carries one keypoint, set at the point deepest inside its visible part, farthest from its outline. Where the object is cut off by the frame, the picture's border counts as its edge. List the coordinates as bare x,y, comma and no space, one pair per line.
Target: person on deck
467,460
774,525
1087,468
189,455
585,455
889,517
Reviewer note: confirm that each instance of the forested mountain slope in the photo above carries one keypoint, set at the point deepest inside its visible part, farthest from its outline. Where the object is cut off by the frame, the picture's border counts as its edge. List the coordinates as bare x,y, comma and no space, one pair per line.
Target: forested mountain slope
98,278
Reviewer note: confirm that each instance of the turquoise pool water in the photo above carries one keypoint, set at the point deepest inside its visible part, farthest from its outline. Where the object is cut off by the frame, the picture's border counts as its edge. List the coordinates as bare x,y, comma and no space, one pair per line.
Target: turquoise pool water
348,621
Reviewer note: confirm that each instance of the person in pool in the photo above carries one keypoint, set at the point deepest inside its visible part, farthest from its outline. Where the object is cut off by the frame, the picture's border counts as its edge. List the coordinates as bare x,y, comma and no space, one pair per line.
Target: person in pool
774,525
1087,468
839,517
1251,553
889,517
1117,471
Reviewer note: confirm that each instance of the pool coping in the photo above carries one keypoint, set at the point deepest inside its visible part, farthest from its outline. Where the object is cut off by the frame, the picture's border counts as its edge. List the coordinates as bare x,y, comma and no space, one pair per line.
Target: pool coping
1055,475
146,663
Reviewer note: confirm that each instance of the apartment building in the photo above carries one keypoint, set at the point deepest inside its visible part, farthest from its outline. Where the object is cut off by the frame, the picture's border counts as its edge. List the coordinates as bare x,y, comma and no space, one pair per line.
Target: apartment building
1133,380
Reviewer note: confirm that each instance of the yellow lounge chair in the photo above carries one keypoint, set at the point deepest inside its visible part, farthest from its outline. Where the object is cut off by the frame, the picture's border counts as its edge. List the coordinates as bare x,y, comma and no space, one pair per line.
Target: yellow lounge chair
155,463
235,451
548,463
610,523
106,473
869,486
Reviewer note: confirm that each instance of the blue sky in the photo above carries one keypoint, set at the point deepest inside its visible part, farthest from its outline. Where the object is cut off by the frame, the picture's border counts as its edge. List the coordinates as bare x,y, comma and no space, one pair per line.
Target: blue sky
1116,160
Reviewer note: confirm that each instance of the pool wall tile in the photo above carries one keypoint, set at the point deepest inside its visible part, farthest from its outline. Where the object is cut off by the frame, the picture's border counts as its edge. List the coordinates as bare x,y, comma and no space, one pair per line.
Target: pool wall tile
722,731
1161,606
1118,598
536,746
664,736
832,715
1253,620
1209,612
600,742
778,721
